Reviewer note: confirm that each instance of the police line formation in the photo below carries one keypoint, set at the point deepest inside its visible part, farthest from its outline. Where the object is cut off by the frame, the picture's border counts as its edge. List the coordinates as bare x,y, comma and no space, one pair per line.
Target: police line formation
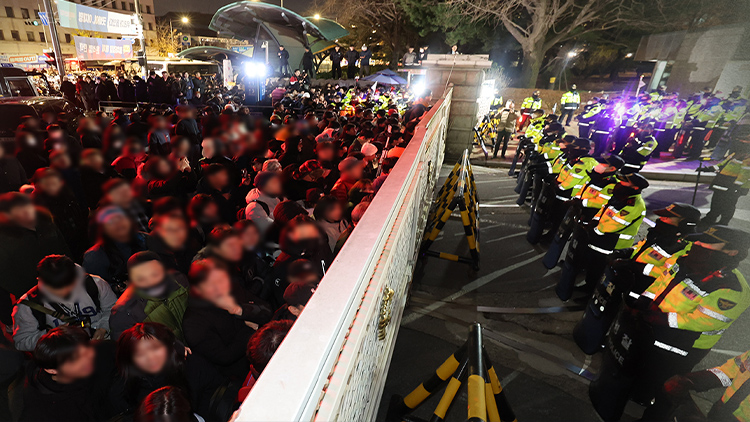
656,307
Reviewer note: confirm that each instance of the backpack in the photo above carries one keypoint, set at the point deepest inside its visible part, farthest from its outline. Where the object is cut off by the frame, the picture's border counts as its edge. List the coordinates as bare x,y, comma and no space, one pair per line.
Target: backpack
40,312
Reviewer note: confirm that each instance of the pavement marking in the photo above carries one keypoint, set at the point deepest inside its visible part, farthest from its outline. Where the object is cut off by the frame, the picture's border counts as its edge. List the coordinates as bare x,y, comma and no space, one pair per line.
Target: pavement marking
507,380
468,288
505,237
726,352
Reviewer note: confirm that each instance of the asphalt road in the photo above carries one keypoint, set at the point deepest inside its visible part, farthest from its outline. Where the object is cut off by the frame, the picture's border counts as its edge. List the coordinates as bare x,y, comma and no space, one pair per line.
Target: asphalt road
544,373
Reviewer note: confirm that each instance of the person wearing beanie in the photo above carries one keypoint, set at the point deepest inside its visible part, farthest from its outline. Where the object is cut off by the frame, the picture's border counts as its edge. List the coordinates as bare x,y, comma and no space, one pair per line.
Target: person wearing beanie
352,170
262,200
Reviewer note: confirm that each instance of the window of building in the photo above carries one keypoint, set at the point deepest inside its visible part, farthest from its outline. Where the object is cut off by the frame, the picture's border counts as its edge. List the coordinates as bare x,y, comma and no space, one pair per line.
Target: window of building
124,5
15,35
2,35
9,12
132,7
67,38
42,37
150,26
30,36
148,9
36,13
114,5
25,13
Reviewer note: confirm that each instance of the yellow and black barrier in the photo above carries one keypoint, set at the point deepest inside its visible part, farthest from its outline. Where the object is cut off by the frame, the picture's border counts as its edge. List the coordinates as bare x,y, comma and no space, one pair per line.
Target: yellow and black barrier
469,365
459,190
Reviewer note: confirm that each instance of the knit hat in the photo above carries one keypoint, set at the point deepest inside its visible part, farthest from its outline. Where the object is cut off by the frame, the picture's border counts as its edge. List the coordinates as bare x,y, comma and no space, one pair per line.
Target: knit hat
272,165
109,212
369,149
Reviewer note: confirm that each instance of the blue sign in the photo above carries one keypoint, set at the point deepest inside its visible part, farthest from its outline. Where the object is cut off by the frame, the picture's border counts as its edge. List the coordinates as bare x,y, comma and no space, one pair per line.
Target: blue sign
43,18
77,16
102,49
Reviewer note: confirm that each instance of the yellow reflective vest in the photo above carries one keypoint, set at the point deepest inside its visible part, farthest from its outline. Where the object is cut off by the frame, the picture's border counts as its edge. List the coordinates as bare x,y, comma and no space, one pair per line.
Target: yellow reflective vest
617,225
531,103
733,374
706,307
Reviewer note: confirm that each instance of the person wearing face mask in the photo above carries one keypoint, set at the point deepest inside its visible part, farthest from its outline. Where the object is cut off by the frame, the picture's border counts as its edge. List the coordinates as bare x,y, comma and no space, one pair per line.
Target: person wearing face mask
30,152
635,270
300,239
220,318
637,151
150,357
612,228
64,294
170,241
591,198
153,295
570,102
675,322
263,199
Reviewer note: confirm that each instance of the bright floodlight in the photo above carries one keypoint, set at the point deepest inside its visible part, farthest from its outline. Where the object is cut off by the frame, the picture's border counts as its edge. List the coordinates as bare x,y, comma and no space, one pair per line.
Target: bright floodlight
572,54
255,70
317,16
185,19
629,55
418,88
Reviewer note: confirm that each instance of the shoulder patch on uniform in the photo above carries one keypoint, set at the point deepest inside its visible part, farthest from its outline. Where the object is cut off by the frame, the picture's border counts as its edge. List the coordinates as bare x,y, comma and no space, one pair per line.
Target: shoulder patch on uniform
624,213
725,304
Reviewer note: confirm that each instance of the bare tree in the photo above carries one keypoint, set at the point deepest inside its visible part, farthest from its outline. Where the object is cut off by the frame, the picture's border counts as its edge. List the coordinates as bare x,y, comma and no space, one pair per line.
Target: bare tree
539,25
166,40
374,20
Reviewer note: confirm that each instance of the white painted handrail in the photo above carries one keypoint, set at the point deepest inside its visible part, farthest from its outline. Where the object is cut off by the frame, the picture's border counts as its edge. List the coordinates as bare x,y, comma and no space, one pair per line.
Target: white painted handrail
333,363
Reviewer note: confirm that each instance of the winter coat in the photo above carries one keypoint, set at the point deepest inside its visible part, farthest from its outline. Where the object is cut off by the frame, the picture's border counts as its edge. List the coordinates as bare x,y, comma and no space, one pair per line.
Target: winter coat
261,215
12,174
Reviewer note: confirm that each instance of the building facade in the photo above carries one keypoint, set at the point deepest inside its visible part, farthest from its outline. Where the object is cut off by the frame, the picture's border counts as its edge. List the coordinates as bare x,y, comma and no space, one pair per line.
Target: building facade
24,38
688,61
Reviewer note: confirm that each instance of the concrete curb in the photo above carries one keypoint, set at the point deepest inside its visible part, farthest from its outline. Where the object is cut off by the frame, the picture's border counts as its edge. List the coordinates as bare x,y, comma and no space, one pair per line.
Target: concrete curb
667,176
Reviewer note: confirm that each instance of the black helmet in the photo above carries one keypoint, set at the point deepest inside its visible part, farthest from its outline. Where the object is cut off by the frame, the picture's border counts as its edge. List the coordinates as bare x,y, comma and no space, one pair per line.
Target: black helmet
688,213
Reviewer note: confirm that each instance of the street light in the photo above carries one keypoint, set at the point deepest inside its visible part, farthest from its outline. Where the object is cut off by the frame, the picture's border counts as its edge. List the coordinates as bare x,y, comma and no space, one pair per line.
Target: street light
185,19
316,16
572,54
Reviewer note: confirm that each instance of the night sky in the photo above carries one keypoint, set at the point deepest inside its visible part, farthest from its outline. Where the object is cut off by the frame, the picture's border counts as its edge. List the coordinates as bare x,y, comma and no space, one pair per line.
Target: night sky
203,6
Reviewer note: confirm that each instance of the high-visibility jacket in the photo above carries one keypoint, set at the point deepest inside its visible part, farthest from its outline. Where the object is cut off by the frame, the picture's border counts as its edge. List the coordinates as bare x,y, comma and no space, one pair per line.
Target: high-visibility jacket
733,374
570,100
574,176
535,130
693,108
531,103
596,195
592,111
739,108
638,151
657,259
616,225
497,102
709,115
704,308
734,174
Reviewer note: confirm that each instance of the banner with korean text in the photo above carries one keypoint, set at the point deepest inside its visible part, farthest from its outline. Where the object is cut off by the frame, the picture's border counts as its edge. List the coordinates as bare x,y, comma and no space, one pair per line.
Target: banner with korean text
102,49
77,16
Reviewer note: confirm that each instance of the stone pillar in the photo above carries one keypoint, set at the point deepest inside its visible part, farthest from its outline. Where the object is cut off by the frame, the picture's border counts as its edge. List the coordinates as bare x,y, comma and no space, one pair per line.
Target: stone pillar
465,73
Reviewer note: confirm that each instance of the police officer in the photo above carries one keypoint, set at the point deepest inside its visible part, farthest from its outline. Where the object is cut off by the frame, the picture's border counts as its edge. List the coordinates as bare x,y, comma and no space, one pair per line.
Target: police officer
589,115
731,182
588,201
635,272
570,180
637,151
534,102
674,400
540,165
570,102
675,322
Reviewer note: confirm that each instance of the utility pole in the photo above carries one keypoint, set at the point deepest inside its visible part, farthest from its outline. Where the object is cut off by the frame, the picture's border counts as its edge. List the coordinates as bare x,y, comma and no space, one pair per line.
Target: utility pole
59,62
141,39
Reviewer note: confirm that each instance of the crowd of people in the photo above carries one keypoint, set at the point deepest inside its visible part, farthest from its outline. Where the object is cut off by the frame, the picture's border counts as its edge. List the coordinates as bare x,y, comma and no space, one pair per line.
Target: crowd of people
655,307
153,261
88,90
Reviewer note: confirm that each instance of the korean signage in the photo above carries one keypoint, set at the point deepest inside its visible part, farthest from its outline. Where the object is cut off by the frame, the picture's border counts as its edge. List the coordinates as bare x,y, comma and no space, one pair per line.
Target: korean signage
77,16
102,49
31,58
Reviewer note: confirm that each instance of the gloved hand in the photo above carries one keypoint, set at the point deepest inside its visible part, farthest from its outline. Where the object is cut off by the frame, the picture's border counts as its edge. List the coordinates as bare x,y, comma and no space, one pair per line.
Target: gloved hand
655,318
678,387
621,264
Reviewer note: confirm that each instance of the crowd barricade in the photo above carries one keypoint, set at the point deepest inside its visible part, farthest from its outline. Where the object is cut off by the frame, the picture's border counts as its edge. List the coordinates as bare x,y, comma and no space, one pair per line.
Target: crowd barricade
333,363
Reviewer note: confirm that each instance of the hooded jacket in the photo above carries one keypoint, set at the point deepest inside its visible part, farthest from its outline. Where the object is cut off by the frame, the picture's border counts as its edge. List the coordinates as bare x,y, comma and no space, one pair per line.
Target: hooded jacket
26,330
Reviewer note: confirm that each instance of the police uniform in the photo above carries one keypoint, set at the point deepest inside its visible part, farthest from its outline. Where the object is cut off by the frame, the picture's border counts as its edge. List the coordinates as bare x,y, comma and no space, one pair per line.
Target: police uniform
635,272
679,318
588,116
638,150
570,102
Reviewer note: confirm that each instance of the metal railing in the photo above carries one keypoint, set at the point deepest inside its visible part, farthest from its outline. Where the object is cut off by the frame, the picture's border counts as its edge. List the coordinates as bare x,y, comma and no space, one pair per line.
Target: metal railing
333,363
